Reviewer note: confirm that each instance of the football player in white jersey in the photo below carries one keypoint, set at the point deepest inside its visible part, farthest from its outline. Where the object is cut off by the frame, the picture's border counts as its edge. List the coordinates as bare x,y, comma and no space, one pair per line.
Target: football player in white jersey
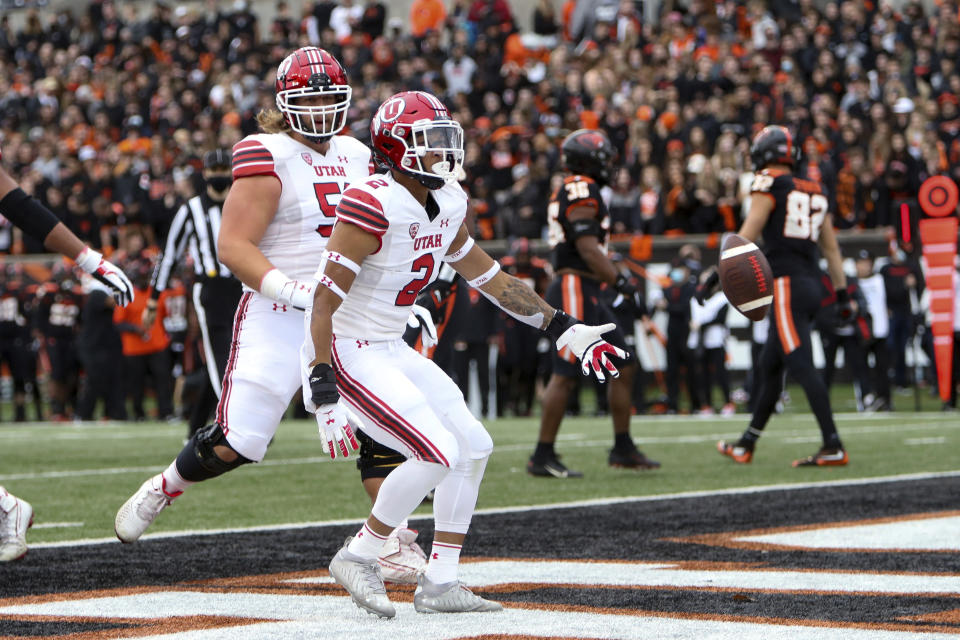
276,220
392,235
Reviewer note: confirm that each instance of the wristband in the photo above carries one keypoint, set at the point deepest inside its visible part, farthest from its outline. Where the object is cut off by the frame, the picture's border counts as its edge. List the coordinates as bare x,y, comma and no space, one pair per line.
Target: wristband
323,384
340,259
327,281
461,252
483,279
560,322
272,283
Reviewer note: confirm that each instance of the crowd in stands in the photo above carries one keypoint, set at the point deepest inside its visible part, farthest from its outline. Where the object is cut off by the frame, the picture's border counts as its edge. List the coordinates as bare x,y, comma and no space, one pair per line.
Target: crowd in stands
104,114
106,109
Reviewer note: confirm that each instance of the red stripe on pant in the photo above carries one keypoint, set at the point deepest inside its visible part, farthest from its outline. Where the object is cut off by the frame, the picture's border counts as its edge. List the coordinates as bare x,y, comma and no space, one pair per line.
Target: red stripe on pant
227,386
381,413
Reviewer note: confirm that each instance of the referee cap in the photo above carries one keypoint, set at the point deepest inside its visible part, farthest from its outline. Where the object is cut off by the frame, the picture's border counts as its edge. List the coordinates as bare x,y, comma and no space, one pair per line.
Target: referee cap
217,159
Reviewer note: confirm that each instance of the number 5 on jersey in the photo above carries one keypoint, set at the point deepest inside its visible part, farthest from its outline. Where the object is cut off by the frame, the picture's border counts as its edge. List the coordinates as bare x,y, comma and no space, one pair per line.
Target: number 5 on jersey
328,209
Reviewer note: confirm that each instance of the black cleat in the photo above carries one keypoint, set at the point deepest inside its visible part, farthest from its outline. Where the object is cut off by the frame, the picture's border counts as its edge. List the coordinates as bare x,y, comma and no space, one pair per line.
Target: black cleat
550,468
631,460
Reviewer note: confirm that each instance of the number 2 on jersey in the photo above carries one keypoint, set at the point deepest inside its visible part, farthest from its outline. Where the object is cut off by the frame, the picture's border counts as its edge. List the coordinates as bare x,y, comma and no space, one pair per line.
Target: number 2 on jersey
805,214
423,266
323,190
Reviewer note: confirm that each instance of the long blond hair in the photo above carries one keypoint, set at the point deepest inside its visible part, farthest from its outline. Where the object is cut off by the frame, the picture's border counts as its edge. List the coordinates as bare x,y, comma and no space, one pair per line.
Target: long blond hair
272,121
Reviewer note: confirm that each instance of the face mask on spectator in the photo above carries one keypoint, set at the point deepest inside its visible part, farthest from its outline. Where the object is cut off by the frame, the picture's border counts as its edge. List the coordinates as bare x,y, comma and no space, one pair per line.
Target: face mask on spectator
219,183
676,275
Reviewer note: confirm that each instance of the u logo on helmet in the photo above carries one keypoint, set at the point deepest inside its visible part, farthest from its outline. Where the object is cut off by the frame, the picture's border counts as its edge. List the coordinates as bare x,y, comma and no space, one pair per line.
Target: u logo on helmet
391,109
284,67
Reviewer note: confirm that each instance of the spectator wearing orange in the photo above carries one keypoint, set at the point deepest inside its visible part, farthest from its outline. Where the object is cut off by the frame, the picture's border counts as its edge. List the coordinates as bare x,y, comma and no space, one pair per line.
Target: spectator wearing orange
426,15
145,347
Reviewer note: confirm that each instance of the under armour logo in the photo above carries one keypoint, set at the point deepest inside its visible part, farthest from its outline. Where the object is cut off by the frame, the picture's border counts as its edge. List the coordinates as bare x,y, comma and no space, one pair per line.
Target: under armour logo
363,343
445,222
342,158
330,420
303,287
335,256
279,307
325,281
435,556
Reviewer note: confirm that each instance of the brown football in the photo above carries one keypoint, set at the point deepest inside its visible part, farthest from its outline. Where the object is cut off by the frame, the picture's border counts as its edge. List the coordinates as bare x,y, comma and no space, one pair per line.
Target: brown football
745,276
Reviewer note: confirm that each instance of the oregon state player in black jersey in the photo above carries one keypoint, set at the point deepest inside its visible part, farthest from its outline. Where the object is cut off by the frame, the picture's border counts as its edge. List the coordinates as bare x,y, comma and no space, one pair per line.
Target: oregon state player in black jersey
578,233
793,217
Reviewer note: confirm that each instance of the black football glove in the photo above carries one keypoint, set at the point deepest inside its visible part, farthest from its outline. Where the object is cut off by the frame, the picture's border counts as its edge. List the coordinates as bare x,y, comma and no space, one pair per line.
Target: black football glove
630,295
845,309
708,287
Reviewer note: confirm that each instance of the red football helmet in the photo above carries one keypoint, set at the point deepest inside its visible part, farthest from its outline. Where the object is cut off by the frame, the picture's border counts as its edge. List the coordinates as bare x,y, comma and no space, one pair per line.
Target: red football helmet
410,125
306,73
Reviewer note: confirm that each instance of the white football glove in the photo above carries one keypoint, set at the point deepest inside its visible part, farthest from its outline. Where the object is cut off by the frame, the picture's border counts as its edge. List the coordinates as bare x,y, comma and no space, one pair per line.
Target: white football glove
334,423
420,317
592,350
297,293
106,272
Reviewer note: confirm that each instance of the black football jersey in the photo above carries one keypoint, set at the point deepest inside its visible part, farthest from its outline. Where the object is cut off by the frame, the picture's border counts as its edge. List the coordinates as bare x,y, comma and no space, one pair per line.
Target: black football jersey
792,232
58,313
576,191
12,311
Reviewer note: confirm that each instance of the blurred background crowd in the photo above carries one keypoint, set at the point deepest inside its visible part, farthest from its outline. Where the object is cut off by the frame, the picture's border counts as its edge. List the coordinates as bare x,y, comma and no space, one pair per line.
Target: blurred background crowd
106,109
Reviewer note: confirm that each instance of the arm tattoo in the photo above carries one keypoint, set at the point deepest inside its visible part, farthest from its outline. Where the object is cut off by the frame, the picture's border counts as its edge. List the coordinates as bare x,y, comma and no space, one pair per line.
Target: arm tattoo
517,297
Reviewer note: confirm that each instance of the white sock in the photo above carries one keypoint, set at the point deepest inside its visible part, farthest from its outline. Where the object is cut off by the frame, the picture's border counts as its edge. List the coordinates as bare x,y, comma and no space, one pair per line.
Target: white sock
403,490
367,543
444,560
173,482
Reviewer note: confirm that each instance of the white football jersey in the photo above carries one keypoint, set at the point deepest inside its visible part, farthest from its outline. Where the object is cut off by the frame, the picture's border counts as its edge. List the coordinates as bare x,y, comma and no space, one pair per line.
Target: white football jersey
311,183
411,253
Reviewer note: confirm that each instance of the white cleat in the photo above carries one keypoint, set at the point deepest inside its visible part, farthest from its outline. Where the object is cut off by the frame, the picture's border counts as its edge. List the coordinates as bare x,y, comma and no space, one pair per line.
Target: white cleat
450,597
362,580
139,511
16,516
402,559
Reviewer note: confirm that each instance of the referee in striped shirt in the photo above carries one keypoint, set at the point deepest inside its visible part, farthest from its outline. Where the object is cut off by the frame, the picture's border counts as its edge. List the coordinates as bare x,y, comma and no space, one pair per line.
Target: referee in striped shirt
216,292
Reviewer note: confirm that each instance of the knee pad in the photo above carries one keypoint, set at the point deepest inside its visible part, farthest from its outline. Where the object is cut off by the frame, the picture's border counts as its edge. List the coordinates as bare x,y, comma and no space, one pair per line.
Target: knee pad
376,460
198,461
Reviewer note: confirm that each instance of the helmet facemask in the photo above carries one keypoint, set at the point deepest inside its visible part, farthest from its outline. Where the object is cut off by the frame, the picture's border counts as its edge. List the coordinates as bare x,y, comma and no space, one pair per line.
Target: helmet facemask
317,123
442,137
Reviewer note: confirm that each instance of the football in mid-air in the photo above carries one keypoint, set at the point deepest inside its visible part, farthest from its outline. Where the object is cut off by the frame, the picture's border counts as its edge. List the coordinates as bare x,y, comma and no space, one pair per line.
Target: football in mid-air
745,276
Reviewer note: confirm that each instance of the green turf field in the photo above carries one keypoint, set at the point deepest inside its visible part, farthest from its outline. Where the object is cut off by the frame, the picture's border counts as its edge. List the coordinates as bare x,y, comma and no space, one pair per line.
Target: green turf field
76,476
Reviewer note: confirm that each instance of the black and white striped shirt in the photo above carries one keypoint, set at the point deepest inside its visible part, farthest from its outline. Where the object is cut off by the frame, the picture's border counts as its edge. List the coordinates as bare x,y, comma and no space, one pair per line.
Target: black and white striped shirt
194,229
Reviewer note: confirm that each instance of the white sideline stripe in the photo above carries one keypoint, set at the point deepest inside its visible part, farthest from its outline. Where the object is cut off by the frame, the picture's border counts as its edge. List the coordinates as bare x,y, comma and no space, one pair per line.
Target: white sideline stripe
56,525
738,251
597,502
754,304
